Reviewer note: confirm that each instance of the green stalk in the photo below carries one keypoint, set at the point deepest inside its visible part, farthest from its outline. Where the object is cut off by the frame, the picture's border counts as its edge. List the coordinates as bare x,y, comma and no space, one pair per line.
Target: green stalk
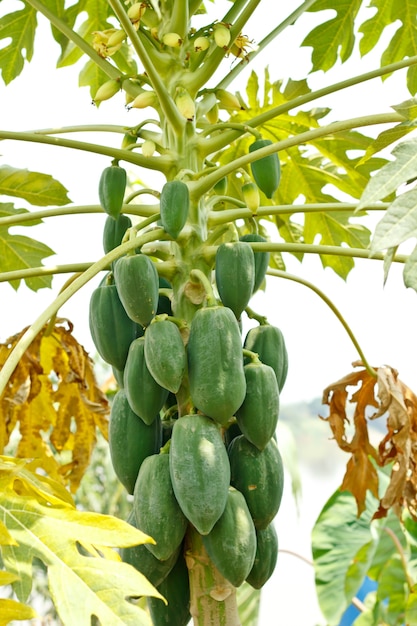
29,336
179,19
231,215
171,113
162,164
31,272
202,186
218,143
306,283
140,210
289,21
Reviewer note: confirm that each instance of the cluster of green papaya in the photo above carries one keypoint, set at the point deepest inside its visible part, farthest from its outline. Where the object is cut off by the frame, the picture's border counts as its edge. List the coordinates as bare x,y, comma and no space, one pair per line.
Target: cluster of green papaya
192,426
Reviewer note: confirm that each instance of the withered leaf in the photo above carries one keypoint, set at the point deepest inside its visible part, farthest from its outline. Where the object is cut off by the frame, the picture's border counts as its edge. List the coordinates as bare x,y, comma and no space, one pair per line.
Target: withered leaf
54,402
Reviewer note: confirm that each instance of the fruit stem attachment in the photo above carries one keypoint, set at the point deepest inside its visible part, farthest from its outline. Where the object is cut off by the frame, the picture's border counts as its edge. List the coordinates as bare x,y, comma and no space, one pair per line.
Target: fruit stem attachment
253,356
198,275
306,283
261,319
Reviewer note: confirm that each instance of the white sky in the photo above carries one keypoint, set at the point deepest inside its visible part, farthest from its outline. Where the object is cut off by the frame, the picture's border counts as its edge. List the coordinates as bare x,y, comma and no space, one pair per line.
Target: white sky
383,318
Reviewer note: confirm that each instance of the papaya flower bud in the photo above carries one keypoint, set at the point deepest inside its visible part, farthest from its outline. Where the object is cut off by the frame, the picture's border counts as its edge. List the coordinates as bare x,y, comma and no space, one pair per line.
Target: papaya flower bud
135,13
106,91
148,148
213,115
144,99
172,40
185,104
222,35
227,100
251,196
201,43
116,38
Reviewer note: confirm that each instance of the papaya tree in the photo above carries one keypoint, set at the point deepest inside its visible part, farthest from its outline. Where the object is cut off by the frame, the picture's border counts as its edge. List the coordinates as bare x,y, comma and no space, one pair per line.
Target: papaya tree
243,180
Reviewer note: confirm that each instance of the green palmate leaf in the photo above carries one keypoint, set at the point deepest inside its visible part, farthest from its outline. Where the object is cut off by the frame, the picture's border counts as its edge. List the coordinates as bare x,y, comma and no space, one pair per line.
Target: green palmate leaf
66,15
343,547
392,175
408,109
20,27
410,270
398,224
393,588
99,586
34,187
248,601
411,608
388,137
334,38
19,252
404,41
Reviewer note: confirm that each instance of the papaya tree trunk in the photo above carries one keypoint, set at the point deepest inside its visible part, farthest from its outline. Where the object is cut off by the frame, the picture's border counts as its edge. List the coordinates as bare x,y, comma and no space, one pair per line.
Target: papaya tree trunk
213,600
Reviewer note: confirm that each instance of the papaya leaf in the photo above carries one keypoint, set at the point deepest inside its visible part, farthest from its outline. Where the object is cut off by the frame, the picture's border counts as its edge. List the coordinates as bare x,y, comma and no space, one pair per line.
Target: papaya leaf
36,188
13,610
373,27
398,224
337,538
411,608
248,601
410,270
72,544
388,137
53,389
393,588
334,38
391,176
20,27
408,109
20,252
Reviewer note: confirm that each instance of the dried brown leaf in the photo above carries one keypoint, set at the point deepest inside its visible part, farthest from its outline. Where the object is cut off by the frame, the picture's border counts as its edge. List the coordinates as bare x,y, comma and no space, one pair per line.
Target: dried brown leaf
55,401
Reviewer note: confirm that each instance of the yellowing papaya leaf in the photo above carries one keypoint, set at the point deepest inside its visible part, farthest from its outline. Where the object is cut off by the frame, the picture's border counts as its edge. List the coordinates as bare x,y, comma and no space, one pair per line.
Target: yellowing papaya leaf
81,583
53,390
13,610
384,395
35,187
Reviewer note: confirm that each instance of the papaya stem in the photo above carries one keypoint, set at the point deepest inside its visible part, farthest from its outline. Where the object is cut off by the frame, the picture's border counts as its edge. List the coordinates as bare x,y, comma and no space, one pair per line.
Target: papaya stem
306,283
261,319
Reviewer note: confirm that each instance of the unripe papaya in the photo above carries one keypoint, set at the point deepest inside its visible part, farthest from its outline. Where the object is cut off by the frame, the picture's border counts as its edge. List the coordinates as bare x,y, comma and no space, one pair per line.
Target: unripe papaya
165,353
267,170
137,284
265,558
145,562
269,344
215,363
111,329
235,275
261,259
131,441
259,475
111,189
114,231
145,396
231,544
174,205
175,588
156,508
258,415
200,470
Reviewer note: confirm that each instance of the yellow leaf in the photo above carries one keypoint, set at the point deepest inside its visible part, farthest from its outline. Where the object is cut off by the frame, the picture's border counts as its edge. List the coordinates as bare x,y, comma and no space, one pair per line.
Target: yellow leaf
53,392
12,610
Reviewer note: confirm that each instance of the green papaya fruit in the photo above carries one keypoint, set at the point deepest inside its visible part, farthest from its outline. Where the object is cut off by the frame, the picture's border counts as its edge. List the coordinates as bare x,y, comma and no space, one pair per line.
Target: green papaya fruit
258,414
200,471
145,562
157,511
235,275
175,588
269,344
111,329
114,231
215,363
165,353
145,396
231,544
266,171
137,284
131,441
259,475
174,205
261,259
265,558
111,189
